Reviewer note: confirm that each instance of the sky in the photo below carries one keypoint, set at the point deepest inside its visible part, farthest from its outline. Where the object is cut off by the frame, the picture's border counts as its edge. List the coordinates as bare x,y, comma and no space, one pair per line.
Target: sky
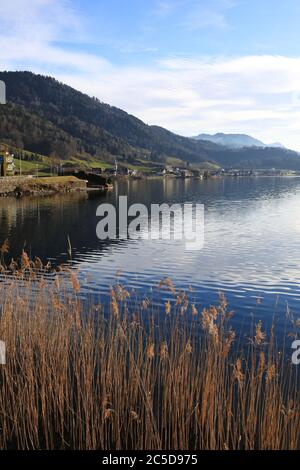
191,66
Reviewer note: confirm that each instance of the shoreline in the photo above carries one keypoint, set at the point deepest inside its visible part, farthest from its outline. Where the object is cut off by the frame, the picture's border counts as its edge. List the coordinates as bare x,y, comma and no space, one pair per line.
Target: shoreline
19,186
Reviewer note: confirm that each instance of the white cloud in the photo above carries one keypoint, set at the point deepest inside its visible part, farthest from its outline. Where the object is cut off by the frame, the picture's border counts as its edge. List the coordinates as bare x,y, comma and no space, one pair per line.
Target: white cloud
259,95
39,20
30,30
253,94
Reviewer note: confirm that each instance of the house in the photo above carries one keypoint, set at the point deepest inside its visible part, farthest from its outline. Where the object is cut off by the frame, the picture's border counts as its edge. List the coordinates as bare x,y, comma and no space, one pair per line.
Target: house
185,173
110,171
7,165
97,171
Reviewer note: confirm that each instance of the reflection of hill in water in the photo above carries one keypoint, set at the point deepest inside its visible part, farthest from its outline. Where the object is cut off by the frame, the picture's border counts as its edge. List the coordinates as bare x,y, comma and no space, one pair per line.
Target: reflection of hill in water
41,225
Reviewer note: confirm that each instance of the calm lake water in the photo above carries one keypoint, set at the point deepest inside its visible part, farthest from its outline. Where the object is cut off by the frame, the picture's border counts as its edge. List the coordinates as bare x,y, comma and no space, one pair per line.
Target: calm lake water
251,251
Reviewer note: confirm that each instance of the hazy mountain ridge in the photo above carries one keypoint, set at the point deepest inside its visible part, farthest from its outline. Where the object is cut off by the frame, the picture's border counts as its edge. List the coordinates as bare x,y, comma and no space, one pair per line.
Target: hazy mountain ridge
235,141
277,145
48,117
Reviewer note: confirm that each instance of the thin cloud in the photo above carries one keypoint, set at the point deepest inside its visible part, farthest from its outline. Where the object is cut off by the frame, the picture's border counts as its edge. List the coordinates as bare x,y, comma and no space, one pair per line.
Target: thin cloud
205,19
164,8
208,14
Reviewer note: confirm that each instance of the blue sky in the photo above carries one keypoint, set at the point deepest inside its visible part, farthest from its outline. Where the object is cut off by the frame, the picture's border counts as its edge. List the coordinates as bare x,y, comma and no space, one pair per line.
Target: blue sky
189,65
142,30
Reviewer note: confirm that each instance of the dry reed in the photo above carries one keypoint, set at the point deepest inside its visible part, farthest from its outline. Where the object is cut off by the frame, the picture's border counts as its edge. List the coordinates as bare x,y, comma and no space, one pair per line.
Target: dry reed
132,378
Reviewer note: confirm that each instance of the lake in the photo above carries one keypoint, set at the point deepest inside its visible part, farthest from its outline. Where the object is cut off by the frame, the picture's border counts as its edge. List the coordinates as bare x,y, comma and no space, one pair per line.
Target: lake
251,250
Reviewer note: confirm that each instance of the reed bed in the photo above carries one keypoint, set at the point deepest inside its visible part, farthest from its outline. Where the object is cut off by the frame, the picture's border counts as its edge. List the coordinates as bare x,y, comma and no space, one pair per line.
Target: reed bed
134,377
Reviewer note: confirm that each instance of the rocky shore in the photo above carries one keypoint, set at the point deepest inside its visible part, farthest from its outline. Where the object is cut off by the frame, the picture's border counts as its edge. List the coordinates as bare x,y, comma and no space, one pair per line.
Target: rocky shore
19,186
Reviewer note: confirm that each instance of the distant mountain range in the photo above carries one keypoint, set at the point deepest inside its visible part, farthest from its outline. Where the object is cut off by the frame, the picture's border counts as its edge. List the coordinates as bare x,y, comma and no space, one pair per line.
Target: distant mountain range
236,141
45,116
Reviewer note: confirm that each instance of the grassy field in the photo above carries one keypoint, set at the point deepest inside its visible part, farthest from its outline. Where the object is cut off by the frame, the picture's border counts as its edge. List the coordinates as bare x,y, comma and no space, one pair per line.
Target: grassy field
42,165
56,179
31,168
80,377
43,168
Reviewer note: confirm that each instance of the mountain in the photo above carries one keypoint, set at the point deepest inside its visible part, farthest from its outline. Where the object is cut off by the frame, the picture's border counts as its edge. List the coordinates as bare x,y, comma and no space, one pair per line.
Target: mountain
259,158
236,141
231,140
277,145
47,117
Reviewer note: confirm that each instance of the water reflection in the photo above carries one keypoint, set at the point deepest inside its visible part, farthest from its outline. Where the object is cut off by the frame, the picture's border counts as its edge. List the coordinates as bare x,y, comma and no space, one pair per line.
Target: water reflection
252,229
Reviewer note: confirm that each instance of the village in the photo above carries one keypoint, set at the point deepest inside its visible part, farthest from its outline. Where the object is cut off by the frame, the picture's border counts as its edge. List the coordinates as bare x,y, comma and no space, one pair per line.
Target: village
17,179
